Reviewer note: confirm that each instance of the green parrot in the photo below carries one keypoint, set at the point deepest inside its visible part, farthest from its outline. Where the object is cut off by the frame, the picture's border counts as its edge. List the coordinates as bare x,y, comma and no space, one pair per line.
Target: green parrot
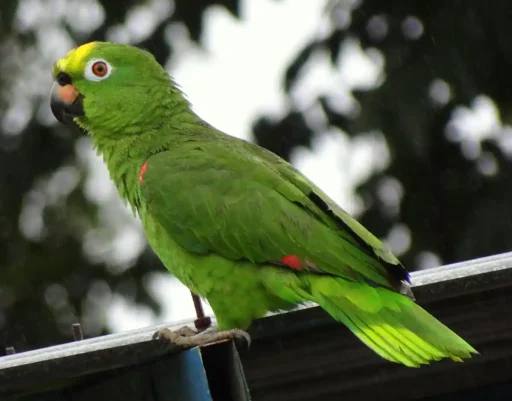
235,223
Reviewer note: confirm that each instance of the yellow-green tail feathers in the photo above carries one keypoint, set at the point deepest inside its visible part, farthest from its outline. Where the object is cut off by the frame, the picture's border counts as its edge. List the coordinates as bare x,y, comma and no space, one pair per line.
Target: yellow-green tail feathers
392,325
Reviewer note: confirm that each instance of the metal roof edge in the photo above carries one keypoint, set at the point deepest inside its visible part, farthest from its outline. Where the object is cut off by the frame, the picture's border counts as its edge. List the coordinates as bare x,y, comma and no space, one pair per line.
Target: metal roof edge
136,345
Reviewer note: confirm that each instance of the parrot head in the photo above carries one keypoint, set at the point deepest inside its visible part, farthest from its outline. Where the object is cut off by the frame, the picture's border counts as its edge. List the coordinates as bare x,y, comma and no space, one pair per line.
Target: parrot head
110,86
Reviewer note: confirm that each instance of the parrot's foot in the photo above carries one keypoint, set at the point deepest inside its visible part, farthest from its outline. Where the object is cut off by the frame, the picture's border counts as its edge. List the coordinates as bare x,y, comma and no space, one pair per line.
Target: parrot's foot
187,338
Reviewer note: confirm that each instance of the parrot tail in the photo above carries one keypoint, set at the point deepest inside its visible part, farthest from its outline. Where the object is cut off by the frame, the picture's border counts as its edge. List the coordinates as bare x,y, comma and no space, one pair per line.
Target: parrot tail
391,324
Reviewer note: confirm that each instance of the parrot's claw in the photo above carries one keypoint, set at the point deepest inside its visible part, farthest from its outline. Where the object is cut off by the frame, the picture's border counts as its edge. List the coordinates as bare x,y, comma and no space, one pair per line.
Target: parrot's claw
186,337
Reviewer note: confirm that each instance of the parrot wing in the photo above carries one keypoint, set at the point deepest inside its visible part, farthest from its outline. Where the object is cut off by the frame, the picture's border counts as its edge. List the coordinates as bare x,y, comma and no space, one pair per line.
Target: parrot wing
240,201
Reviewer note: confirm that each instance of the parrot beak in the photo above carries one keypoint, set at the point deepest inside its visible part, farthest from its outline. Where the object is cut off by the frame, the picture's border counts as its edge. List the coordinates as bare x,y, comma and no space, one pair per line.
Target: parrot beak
66,102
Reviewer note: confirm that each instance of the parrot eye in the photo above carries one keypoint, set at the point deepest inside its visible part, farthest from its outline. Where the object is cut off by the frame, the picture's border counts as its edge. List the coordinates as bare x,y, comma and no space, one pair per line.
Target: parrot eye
97,70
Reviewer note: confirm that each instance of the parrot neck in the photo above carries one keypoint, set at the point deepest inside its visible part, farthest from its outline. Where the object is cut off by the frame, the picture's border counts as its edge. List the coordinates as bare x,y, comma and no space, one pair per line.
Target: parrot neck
124,158
128,137
125,151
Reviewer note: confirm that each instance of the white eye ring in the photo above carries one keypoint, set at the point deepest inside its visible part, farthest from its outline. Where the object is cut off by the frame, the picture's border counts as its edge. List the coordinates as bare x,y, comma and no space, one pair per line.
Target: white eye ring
97,70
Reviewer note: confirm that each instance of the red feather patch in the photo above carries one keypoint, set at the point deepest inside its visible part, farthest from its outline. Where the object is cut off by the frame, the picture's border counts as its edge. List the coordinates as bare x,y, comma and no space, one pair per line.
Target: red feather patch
292,261
142,172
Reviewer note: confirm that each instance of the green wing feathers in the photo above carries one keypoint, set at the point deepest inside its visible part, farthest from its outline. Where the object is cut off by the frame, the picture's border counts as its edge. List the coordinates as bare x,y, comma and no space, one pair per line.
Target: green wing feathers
390,324
308,187
241,203
229,201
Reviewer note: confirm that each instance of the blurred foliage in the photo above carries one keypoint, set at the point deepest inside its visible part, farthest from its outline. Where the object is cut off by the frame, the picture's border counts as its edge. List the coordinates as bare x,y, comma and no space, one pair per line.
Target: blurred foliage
47,220
440,58
449,190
